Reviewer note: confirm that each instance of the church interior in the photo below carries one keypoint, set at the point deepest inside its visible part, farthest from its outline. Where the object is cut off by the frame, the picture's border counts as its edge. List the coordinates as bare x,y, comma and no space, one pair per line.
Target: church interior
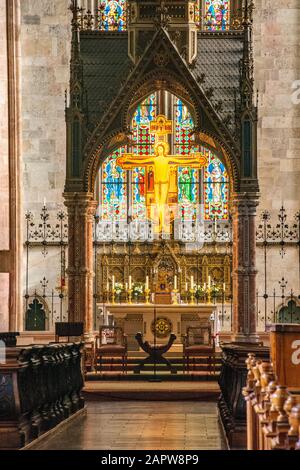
150,225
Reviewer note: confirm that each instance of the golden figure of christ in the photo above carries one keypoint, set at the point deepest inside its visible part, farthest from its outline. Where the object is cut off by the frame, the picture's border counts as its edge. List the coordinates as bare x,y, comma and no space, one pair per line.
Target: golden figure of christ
161,163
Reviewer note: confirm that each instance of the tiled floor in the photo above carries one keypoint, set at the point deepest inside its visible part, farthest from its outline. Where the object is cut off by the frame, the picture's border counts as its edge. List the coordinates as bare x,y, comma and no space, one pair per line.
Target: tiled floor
141,426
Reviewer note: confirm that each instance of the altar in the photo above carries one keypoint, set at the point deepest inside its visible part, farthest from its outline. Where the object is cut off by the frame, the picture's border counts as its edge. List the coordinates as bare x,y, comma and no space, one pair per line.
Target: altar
159,318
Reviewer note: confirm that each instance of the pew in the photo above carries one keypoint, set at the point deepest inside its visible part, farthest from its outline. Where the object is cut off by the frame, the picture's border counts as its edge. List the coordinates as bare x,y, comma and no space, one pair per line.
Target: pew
272,393
40,387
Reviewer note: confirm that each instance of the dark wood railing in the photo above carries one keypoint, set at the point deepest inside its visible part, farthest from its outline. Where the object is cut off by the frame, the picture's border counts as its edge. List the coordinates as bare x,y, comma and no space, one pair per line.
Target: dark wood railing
40,386
231,404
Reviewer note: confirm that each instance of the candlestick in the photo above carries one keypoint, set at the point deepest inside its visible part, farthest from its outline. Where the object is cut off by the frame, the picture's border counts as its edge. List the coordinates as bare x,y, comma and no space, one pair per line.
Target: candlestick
147,295
174,297
130,296
192,296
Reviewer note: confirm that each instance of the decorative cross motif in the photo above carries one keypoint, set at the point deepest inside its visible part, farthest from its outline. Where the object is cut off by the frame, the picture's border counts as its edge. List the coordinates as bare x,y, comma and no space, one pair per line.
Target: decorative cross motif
160,164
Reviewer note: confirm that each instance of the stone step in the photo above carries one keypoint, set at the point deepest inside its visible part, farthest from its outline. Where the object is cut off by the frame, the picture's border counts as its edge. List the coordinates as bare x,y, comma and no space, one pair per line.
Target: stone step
150,376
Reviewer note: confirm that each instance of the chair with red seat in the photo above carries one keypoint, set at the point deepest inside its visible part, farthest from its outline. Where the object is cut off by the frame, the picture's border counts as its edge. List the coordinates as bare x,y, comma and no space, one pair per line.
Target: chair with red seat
198,342
111,343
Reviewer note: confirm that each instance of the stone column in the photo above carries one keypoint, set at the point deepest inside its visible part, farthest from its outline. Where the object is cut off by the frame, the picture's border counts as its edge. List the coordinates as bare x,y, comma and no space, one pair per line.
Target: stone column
81,210
244,267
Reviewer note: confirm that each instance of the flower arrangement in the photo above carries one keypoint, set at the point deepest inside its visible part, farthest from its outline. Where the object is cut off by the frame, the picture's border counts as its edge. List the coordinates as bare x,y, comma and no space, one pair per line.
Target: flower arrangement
215,290
138,289
119,288
199,291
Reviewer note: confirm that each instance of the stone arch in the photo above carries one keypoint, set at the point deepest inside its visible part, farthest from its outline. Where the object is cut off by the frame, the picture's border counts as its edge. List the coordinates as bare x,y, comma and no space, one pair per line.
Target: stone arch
119,136
37,315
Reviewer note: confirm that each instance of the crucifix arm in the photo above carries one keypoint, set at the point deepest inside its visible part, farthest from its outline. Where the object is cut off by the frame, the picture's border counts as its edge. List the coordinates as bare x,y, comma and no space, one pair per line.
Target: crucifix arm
129,160
197,161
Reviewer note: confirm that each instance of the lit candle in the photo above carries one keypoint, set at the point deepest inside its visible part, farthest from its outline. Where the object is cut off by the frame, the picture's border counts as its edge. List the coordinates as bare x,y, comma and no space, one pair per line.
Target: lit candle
204,286
147,282
186,287
192,282
175,282
45,202
113,283
209,282
107,286
224,287
126,286
130,283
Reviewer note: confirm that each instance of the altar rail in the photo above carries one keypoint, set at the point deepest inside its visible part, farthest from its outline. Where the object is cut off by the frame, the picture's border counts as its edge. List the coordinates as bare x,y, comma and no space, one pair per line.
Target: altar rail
40,386
273,410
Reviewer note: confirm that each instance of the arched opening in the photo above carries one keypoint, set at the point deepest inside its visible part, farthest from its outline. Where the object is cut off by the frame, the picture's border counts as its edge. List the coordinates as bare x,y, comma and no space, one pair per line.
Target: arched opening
125,194
135,264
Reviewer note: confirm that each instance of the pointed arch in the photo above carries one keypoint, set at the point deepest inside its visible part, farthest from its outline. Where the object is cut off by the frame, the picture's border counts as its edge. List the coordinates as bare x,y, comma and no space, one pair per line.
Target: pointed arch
146,77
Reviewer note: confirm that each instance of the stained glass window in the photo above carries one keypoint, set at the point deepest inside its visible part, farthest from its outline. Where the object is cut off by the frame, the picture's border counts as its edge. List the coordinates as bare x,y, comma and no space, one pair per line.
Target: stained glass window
113,15
197,14
188,179
114,189
139,193
183,127
145,113
143,145
126,193
216,189
216,15
215,178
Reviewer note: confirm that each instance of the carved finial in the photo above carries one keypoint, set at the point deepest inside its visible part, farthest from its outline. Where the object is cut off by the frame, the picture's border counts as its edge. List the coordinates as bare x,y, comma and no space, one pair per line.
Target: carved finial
75,19
219,106
209,92
247,79
278,400
162,18
294,421
201,78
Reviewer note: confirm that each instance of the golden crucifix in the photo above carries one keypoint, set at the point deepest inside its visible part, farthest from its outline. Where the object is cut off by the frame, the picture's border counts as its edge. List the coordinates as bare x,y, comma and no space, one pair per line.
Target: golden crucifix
161,163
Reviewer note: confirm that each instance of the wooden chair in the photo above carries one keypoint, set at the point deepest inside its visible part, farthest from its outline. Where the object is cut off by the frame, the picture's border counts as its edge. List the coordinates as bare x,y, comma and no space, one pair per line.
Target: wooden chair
69,331
199,342
89,356
111,343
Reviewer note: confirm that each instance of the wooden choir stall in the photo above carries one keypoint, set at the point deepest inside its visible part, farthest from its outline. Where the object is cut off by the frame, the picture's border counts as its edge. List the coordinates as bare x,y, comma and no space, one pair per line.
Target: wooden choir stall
272,393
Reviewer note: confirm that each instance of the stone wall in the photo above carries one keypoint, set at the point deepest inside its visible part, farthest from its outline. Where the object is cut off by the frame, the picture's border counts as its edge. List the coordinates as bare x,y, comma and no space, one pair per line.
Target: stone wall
4,171
45,50
4,165
277,68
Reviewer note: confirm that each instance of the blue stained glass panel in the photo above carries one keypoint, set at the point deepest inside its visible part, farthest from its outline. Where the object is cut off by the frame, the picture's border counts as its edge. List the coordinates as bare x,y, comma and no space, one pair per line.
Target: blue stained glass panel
216,16
216,189
114,189
113,15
